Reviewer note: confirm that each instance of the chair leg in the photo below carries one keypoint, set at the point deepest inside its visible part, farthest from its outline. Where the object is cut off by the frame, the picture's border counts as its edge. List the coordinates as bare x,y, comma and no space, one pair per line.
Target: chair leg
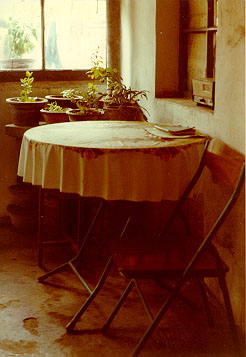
158,317
230,317
70,326
144,302
187,301
206,303
118,305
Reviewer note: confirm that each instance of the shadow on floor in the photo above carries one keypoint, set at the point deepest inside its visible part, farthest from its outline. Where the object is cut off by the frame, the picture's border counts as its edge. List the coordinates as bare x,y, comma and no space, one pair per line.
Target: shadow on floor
34,315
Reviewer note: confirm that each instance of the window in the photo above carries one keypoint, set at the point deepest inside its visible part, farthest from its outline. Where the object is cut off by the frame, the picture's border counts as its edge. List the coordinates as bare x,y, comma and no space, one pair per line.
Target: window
198,21
185,45
51,35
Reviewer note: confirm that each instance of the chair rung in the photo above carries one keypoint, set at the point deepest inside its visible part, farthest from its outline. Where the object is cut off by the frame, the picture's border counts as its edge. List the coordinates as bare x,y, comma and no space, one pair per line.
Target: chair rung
142,274
55,242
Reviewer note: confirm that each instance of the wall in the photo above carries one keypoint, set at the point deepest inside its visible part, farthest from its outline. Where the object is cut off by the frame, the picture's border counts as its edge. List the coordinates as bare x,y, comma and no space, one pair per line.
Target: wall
230,74
138,47
167,48
227,122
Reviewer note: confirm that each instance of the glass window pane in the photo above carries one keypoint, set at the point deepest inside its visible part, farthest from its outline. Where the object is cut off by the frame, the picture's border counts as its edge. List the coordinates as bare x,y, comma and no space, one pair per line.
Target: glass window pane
20,34
73,31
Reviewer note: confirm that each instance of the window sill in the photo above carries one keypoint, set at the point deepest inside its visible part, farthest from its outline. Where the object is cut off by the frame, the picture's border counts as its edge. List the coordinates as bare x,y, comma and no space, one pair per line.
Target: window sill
182,110
47,75
17,131
186,102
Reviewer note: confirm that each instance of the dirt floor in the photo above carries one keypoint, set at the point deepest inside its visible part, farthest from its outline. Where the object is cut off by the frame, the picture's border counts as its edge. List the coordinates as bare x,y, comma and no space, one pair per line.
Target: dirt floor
34,315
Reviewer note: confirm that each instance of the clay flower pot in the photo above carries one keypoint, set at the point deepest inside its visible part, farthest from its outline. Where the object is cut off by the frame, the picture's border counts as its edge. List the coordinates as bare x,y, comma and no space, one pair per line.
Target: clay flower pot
77,115
26,113
61,101
24,195
23,219
52,117
129,113
17,63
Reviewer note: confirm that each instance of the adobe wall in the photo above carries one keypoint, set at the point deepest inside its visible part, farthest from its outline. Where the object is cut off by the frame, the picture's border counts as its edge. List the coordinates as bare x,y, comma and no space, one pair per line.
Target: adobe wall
142,70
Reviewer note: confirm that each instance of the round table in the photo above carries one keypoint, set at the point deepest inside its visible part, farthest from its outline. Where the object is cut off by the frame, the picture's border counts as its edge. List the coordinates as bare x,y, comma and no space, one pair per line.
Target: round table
113,160
110,160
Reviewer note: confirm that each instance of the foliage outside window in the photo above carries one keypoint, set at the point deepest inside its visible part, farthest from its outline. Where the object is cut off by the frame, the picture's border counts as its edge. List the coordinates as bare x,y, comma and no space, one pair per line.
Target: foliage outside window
51,35
21,38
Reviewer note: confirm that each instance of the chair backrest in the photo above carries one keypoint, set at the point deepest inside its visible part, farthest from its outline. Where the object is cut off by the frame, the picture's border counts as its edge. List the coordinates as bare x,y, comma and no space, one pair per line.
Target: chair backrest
224,162
225,165
228,167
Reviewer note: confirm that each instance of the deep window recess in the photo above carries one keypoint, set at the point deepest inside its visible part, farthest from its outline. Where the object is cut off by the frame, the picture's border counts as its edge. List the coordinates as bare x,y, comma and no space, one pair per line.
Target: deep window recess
198,26
54,38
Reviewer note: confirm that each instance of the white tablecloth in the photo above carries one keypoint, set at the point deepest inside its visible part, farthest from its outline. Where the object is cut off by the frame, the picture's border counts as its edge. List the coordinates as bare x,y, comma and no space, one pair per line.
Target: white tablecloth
111,160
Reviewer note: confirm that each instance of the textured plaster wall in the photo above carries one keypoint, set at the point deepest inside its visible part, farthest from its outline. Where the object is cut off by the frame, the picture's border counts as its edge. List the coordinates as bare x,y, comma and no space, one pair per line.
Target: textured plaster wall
138,47
227,122
230,74
167,48
139,69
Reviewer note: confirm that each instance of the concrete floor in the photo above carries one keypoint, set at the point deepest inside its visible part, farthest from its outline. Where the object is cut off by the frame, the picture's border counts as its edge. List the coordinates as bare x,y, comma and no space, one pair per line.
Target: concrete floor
34,315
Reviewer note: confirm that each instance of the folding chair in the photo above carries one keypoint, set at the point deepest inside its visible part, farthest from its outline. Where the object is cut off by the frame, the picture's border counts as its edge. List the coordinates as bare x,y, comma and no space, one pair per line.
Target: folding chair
77,262
226,166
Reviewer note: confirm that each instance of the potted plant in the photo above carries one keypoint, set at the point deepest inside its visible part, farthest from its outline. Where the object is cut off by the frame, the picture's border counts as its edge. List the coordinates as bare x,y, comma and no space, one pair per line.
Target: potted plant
87,103
120,101
54,113
20,41
61,100
26,109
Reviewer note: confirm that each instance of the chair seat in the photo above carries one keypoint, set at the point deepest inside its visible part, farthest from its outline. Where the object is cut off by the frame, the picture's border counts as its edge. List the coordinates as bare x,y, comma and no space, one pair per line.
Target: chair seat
139,264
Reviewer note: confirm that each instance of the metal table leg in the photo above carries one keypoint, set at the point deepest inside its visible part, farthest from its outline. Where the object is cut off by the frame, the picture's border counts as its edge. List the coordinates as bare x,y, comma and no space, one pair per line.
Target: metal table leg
71,263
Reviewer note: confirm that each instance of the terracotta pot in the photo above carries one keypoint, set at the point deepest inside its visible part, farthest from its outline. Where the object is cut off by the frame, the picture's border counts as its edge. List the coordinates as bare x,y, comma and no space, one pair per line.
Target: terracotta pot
26,113
60,100
17,63
23,195
125,113
24,220
76,115
54,117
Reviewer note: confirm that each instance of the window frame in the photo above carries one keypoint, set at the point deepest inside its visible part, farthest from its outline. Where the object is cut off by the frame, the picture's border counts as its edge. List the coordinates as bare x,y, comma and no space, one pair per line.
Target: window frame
183,43
43,74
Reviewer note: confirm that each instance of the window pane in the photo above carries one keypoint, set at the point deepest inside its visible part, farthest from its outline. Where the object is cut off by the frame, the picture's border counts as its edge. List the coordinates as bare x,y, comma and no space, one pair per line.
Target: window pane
20,40
73,31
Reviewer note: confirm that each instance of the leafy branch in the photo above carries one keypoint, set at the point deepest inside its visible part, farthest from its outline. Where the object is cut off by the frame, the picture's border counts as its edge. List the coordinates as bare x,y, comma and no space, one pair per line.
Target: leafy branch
117,93
85,100
21,38
54,107
26,83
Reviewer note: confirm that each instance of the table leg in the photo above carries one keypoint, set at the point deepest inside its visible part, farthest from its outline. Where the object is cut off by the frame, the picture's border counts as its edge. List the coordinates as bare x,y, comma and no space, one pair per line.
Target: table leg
40,213
71,263
42,242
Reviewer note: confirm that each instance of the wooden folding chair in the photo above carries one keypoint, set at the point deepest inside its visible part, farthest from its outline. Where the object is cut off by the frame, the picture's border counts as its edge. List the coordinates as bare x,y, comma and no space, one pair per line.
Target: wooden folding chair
72,323
160,263
225,165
